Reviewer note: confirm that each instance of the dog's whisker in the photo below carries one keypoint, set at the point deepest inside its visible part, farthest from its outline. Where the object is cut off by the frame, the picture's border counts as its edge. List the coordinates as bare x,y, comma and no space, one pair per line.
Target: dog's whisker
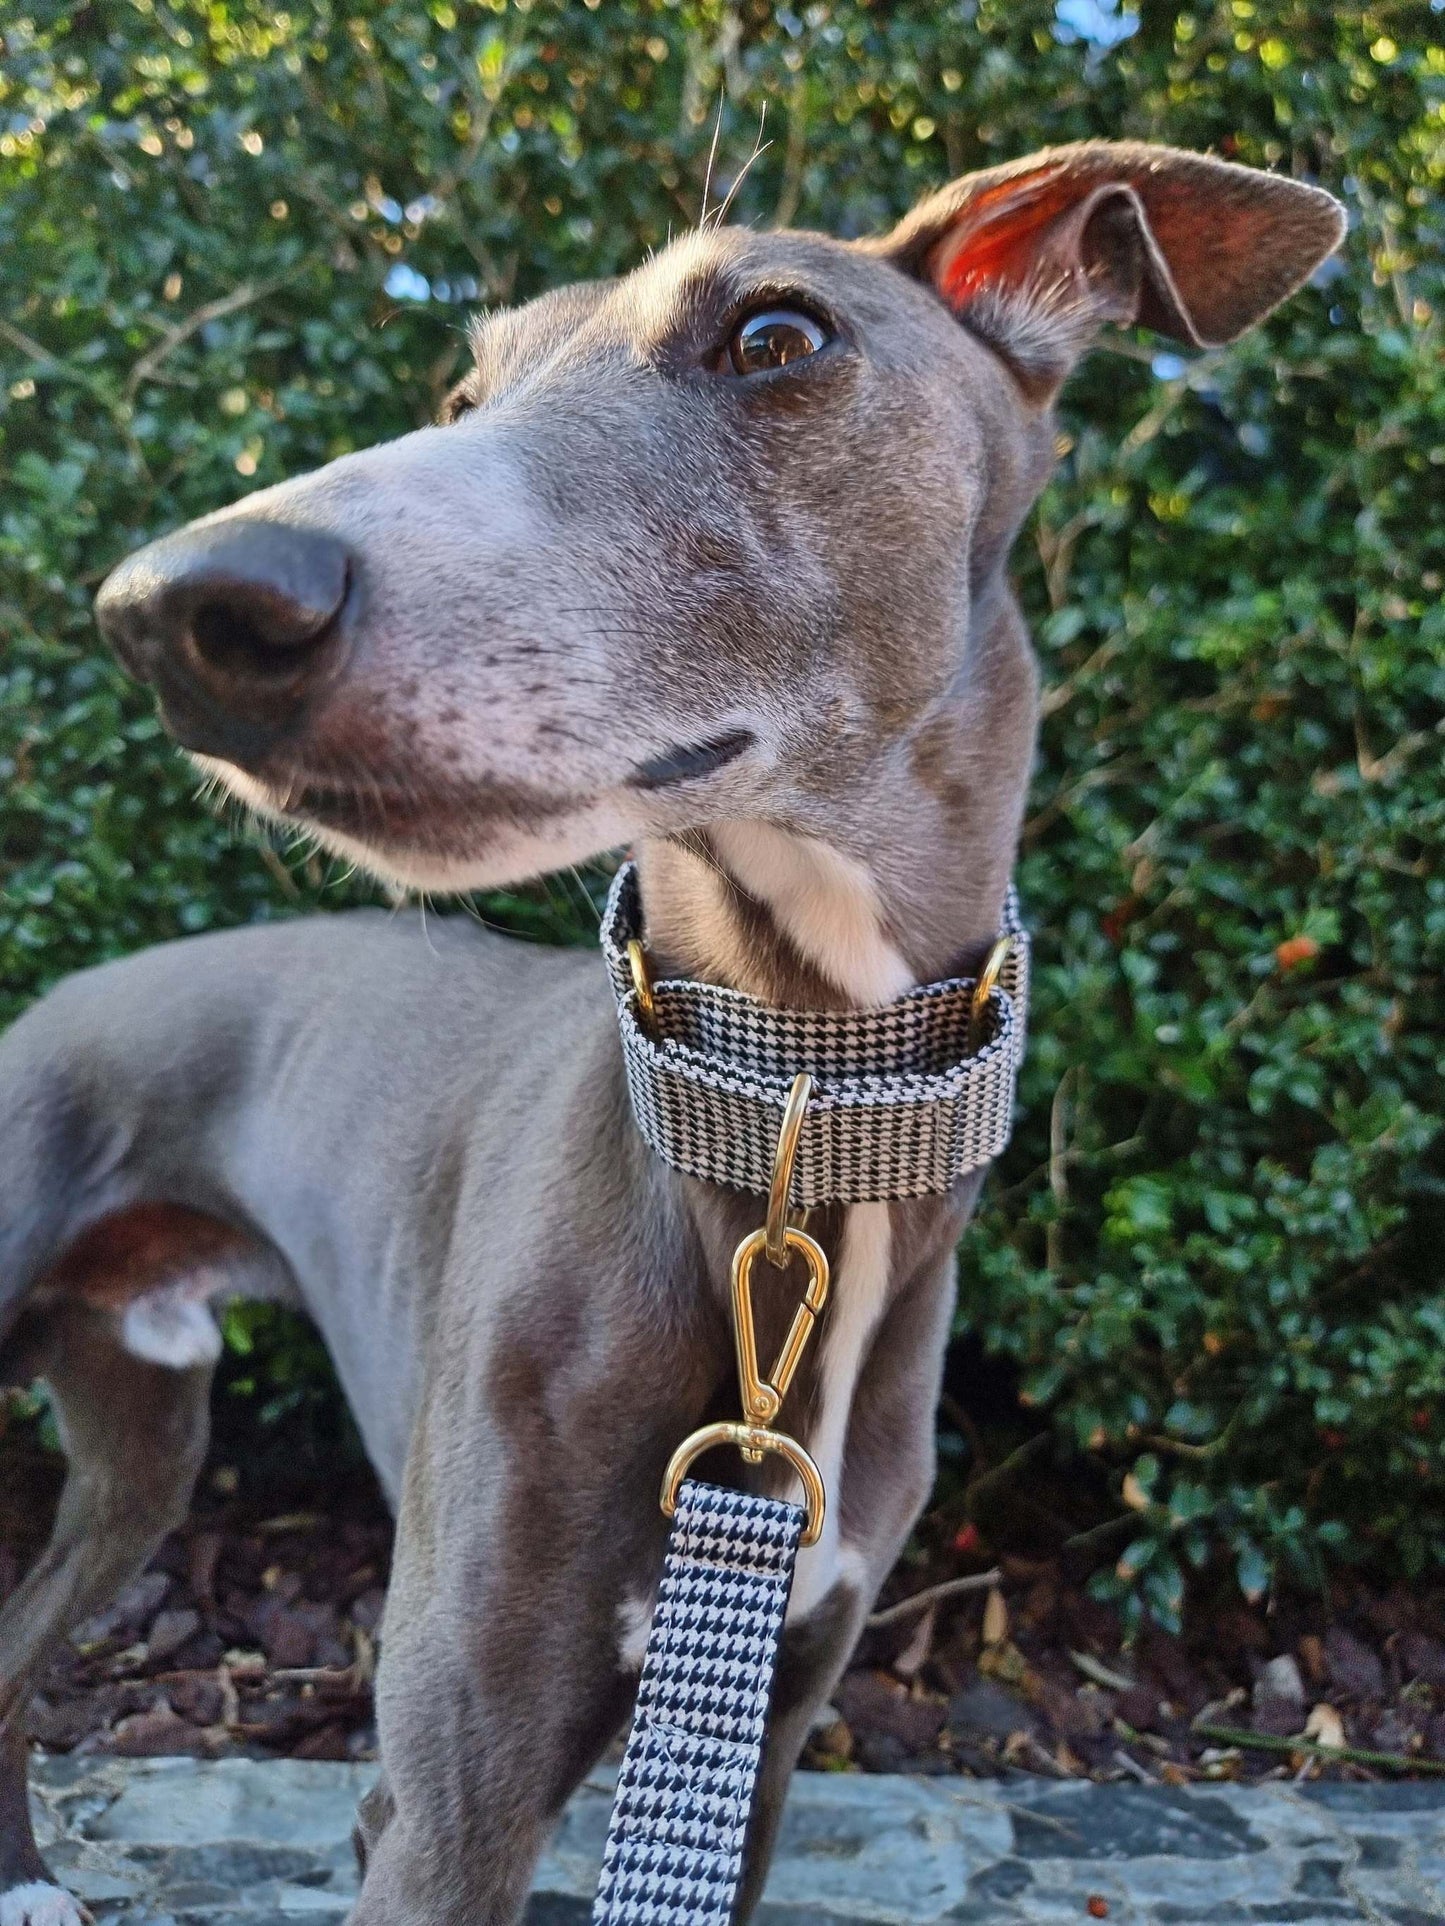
712,157
760,147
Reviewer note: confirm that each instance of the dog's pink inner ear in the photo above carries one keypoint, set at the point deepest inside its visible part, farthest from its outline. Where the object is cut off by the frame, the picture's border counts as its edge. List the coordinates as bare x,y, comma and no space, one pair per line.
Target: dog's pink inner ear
996,243
1037,256
1038,263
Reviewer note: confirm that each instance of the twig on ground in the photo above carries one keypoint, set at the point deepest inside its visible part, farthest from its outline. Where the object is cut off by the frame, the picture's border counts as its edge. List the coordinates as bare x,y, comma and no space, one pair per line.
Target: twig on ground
1101,1674
1347,1754
931,1595
1045,1760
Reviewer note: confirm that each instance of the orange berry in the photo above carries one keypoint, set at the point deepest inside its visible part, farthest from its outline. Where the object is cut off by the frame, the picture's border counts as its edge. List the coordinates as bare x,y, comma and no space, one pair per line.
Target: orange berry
1295,950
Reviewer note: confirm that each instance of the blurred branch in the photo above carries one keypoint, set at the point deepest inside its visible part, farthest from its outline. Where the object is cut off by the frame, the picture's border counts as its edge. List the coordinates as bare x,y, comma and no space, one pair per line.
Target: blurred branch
242,297
957,1415
1056,551
1128,349
1060,1115
1086,1159
1089,1548
1117,771
1389,247
1022,1459
1148,425
1064,692
55,367
483,112
933,1595
29,346
1381,768
272,860
794,155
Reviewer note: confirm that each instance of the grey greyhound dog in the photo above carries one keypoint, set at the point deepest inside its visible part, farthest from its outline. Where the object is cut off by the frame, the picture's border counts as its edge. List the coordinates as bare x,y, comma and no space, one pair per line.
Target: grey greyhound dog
708,559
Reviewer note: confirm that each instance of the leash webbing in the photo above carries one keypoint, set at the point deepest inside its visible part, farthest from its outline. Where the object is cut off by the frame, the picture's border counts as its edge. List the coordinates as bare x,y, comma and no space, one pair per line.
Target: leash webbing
674,1852
902,1103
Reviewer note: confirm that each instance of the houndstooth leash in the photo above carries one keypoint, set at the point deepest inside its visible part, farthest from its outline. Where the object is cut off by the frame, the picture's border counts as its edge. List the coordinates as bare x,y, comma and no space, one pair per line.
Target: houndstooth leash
896,1102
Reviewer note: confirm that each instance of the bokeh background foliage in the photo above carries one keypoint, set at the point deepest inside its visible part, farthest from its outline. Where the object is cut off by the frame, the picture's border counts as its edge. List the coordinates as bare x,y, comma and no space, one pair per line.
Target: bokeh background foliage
237,241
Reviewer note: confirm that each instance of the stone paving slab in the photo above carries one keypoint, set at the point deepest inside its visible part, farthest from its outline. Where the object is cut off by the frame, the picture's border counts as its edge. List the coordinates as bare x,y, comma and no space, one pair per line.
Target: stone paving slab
176,1842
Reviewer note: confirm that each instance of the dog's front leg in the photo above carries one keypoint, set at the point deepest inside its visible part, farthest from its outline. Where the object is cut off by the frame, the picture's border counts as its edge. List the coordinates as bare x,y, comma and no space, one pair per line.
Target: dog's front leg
487,1724
463,1843
501,1678
809,1666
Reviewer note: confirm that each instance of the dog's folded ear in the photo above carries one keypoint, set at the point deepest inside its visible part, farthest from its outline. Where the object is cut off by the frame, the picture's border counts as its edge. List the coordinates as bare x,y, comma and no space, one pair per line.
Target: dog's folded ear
1035,256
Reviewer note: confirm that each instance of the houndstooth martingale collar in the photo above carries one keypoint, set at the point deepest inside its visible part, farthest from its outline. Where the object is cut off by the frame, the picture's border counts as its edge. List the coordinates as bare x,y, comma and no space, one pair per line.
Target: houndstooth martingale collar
902,1105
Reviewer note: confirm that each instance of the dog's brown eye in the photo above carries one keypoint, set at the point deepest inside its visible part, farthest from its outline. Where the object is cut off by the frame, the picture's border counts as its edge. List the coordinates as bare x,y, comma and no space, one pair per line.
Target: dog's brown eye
459,402
773,339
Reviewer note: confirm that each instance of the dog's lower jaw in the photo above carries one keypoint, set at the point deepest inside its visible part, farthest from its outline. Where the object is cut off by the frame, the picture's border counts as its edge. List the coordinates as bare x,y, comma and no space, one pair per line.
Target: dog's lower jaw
494,852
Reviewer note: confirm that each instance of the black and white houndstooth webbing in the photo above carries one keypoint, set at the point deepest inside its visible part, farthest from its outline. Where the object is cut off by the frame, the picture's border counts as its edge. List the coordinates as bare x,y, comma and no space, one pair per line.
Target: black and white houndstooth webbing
674,1850
899,1106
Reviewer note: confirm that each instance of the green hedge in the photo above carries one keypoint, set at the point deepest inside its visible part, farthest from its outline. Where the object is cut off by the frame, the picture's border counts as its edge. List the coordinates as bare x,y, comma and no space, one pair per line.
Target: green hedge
236,242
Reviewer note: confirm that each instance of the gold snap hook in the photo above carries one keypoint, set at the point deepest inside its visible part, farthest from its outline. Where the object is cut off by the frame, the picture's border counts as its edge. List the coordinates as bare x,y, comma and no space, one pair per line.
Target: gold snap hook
987,983
642,982
762,1397
787,1151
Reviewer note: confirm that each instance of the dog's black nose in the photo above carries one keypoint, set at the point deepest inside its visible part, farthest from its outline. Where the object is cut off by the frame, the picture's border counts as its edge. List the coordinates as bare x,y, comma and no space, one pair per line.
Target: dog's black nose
236,624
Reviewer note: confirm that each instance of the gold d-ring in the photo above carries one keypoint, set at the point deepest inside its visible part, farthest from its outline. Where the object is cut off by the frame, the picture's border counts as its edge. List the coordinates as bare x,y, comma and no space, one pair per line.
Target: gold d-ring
777,1221
752,1440
987,983
642,982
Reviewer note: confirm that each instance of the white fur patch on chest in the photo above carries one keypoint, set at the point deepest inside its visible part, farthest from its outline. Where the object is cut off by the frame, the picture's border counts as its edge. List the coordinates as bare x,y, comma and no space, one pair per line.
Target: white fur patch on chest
170,1325
855,1303
823,902
634,1622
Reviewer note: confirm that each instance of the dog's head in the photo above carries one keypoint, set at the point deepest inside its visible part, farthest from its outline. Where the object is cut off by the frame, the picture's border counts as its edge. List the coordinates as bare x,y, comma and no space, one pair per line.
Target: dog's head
721,539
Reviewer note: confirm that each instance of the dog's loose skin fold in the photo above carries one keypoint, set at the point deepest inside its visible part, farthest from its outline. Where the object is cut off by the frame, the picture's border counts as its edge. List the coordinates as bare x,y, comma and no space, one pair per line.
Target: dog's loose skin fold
732,590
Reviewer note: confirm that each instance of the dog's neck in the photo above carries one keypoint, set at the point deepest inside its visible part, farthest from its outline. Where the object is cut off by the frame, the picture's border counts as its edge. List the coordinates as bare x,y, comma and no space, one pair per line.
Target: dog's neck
795,915
900,879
